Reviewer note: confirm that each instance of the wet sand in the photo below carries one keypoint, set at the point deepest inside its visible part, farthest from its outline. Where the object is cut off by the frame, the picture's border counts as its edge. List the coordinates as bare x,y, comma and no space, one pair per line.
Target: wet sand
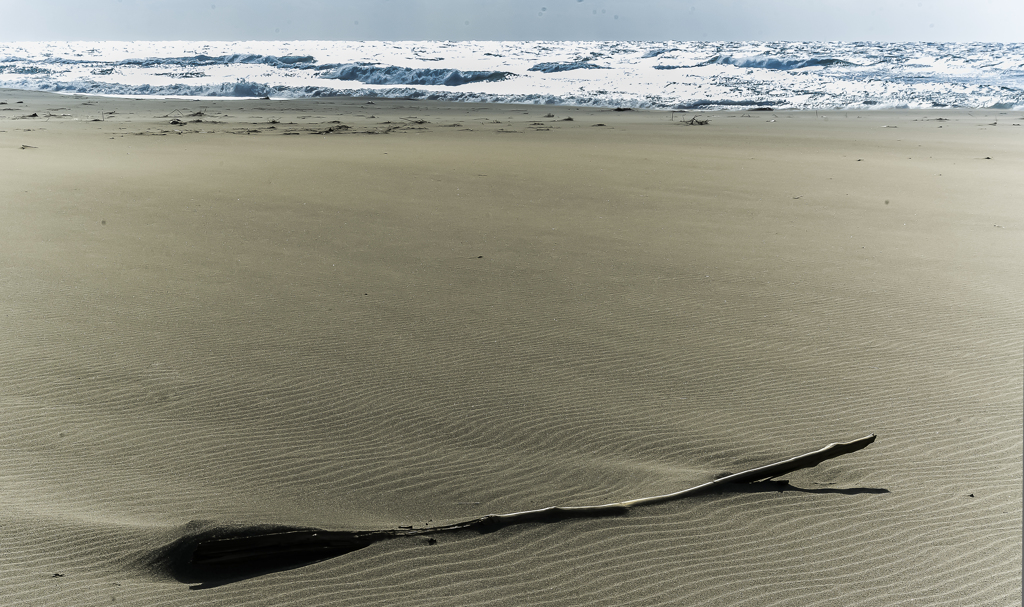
358,316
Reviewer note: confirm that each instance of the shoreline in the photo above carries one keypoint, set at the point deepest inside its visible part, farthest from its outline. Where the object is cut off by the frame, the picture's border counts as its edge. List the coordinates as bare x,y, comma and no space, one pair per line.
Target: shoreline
264,113
364,99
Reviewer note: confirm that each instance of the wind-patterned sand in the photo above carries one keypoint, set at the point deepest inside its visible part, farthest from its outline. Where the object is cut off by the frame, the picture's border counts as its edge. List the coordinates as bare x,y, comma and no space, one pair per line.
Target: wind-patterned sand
485,309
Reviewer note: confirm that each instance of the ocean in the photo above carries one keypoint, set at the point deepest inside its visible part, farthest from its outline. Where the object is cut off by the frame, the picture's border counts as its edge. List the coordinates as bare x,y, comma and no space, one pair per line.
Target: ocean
660,75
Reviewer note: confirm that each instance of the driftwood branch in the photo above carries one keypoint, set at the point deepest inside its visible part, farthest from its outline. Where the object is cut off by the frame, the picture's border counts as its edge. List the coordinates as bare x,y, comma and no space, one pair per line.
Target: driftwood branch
221,555
807,460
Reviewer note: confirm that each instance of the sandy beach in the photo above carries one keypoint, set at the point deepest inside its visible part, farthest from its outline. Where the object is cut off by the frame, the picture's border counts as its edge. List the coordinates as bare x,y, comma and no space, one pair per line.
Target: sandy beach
362,315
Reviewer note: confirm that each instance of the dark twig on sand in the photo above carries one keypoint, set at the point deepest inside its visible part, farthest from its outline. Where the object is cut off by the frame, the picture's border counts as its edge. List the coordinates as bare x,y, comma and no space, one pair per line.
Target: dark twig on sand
221,555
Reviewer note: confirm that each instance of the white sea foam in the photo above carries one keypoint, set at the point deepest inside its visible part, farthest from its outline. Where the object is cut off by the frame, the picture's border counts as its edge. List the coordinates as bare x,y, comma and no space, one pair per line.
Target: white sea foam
670,75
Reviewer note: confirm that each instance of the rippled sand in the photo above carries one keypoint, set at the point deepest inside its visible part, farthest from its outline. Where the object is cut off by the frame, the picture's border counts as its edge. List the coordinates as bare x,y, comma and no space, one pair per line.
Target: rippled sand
409,313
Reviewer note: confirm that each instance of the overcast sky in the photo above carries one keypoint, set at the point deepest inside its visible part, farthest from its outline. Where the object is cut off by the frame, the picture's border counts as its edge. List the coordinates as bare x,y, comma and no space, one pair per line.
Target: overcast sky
852,20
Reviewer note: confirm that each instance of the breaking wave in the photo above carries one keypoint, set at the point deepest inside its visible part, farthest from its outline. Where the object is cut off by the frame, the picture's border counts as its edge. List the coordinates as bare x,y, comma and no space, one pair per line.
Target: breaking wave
411,76
670,75
774,63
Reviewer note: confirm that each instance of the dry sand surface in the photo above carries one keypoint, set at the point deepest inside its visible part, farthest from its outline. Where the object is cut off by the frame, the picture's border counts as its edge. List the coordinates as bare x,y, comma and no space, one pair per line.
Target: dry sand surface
356,316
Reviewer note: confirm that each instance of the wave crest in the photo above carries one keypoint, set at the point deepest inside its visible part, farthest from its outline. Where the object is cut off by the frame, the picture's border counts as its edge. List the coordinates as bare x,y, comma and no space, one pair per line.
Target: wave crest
390,75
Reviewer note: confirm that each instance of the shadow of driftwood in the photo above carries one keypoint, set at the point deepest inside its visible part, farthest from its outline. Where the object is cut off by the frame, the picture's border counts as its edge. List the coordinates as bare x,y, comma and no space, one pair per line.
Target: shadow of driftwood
783,485
221,555
214,556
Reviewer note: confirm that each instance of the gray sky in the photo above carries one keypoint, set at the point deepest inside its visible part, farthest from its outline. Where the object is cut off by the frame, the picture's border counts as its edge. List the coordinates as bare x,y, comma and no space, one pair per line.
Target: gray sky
852,20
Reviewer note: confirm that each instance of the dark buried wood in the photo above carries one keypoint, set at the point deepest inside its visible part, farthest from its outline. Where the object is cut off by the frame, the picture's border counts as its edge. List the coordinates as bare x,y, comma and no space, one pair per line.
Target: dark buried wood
221,555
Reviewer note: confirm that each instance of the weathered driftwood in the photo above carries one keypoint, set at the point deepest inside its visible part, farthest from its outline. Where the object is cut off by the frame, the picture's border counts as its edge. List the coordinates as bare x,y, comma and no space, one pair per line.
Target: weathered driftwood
221,555
807,460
